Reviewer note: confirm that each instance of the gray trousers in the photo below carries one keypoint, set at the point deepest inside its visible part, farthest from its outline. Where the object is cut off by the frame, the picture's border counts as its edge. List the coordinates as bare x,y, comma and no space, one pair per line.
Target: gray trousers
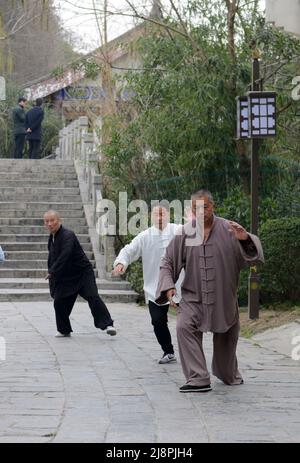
193,362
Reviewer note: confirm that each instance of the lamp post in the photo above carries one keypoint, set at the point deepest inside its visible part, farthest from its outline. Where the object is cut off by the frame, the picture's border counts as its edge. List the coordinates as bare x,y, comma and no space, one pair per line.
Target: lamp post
253,281
256,119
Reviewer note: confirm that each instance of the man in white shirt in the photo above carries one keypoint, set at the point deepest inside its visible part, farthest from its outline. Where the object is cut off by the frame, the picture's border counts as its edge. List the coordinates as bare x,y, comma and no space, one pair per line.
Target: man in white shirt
150,245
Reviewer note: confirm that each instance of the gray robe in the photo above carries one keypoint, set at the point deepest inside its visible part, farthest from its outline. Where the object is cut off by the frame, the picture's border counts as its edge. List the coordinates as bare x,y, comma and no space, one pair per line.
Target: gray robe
209,298
211,274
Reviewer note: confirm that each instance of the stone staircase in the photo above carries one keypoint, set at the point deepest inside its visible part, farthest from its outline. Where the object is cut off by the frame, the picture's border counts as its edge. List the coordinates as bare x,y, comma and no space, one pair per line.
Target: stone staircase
28,189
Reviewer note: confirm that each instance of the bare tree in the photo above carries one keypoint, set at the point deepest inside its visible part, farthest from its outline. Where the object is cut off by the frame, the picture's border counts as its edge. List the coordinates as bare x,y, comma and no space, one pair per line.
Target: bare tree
28,27
18,17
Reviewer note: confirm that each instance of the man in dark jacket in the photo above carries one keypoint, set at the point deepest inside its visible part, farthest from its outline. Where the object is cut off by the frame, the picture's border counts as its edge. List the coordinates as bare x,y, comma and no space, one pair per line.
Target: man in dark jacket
34,119
18,116
70,274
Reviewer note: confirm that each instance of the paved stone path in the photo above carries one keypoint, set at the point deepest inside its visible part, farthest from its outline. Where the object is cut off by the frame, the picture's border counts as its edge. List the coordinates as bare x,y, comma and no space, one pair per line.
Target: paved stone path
96,388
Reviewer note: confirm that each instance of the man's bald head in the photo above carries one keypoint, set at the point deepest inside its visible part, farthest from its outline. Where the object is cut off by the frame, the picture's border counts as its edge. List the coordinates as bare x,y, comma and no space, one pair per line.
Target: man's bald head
52,212
52,221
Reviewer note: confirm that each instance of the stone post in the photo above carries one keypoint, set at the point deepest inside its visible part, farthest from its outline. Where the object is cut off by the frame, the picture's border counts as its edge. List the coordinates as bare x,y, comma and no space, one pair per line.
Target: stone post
71,142
83,128
65,143
77,139
60,145
88,148
97,193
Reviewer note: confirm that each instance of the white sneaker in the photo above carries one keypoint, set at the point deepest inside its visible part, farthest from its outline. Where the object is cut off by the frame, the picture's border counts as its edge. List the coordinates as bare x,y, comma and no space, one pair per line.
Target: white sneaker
62,335
111,331
168,358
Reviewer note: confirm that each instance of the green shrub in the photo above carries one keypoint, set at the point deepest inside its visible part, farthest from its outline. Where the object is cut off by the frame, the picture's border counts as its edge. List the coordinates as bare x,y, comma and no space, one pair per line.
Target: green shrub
52,124
280,275
243,287
134,272
235,207
6,125
134,275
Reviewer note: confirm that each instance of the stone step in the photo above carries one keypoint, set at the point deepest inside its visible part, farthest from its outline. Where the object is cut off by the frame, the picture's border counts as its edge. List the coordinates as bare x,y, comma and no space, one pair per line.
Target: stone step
13,295
24,264
33,183
40,206
18,177
29,190
38,173
35,229
42,238
28,264
36,196
35,246
25,272
36,162
41,283
38,214
68,222
34,255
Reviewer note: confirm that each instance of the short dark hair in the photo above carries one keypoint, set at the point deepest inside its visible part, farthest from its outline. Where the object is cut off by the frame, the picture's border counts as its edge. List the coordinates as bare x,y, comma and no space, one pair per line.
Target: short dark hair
22,98
39,101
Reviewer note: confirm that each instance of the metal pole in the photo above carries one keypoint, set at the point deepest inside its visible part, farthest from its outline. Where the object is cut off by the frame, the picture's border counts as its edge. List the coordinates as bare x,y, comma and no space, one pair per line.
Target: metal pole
253,301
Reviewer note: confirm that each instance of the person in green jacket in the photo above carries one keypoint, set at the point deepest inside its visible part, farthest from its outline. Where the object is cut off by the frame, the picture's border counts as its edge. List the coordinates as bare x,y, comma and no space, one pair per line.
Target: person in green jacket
18,115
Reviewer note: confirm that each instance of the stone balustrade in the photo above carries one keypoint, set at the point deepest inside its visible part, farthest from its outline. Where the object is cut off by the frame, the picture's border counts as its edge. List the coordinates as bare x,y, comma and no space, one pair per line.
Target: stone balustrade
77,143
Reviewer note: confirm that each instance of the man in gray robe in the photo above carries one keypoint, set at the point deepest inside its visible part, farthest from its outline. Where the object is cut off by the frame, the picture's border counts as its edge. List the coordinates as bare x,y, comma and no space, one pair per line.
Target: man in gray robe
209,291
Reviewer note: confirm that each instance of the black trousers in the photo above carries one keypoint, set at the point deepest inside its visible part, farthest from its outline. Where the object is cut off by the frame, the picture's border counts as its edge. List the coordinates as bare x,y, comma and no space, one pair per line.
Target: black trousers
19,145
63,308
34,149
159,319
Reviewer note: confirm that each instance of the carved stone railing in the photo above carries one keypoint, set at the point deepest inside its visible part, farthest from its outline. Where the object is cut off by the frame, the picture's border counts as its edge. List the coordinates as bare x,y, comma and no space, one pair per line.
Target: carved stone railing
77,143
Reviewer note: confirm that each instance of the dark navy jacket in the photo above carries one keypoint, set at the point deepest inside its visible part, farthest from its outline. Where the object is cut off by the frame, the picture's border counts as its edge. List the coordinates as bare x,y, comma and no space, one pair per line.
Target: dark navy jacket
34,119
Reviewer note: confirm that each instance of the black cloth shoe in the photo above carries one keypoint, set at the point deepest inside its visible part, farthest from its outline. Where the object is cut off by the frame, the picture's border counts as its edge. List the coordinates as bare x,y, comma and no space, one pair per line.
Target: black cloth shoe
190,388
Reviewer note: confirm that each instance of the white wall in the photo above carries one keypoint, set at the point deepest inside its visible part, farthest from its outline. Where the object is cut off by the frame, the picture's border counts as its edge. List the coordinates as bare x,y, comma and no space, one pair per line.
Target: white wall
284,13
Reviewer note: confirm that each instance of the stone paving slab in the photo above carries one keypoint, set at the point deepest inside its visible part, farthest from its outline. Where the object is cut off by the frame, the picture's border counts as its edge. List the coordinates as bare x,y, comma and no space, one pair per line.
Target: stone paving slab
283,339
96,388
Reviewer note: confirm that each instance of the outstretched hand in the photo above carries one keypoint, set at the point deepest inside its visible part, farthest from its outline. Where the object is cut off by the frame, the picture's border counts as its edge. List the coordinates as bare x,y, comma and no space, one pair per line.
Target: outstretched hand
118,270
238,231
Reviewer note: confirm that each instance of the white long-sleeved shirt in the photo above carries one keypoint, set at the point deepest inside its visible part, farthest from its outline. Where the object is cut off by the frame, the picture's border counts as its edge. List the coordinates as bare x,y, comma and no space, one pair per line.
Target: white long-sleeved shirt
150,245
2,255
